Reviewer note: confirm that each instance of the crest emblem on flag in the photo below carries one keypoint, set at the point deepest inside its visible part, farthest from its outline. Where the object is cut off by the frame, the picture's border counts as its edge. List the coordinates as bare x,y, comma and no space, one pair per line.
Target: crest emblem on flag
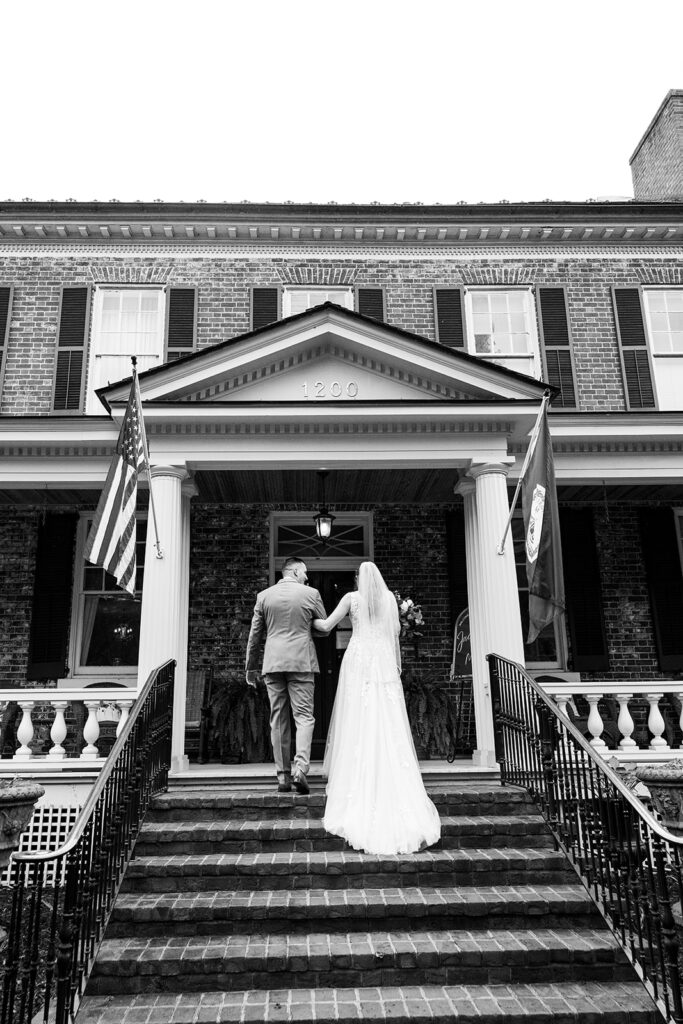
533,532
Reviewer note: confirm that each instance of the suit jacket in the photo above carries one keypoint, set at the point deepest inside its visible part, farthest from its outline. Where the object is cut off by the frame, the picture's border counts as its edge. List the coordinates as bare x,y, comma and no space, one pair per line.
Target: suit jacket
283,615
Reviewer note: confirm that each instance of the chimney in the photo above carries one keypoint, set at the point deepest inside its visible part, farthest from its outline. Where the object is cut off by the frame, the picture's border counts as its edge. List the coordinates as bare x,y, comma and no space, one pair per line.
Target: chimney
657,164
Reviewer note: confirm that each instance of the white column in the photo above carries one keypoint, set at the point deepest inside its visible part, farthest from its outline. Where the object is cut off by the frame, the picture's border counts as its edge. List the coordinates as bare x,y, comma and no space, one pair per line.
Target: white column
25,731
58,731
595,723
163,625
495,621
656,723
625,722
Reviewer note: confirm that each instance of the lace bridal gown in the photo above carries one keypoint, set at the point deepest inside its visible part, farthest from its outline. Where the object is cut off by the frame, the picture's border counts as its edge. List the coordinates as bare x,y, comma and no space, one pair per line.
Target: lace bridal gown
376,799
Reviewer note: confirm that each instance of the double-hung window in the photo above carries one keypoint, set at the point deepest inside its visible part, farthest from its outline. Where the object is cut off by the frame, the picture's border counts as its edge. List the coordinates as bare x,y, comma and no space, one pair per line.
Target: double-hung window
105,629
127,322
297,300
501,326
664,317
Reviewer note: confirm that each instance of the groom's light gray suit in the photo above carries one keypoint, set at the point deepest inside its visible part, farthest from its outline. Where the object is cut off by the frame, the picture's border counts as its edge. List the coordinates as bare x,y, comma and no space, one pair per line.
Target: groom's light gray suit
282,616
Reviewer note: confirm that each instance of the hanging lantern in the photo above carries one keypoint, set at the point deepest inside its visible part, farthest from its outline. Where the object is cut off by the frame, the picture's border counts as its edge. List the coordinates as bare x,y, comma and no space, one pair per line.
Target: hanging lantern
323,519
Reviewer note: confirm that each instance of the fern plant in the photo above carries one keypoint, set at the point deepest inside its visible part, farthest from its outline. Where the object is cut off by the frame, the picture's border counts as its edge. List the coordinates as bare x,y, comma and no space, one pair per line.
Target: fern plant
432,712
241,721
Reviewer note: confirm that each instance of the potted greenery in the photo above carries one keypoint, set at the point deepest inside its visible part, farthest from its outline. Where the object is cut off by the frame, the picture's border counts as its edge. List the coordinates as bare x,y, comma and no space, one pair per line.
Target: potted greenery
432,712
240,717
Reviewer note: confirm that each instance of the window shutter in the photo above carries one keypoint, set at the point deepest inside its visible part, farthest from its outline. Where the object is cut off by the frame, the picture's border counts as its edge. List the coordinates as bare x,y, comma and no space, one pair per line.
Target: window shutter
456,561
71,341
583,591
181,322
5,312
635,358
265,306
665,584
370,302
49,638
557,350
450,324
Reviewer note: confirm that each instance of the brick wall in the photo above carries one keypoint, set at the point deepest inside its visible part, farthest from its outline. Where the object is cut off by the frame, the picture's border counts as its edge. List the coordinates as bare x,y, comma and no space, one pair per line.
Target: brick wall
18,543
223,303
657,164
229,565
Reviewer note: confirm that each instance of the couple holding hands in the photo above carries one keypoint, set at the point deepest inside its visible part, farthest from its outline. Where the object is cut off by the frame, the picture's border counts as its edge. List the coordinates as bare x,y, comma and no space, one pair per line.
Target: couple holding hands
376,799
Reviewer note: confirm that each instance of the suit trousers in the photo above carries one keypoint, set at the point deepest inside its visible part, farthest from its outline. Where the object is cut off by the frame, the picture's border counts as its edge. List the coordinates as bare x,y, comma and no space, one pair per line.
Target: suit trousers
293,689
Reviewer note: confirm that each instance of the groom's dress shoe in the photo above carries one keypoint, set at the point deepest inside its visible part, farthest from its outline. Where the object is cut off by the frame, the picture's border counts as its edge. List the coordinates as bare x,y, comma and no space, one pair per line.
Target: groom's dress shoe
300,783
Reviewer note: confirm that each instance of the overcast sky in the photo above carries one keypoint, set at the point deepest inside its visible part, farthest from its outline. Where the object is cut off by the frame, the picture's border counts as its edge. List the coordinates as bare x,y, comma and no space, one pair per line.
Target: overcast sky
361,101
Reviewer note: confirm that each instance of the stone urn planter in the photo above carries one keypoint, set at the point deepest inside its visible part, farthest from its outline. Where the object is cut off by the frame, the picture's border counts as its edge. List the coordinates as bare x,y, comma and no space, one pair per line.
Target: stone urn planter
17,800
665,783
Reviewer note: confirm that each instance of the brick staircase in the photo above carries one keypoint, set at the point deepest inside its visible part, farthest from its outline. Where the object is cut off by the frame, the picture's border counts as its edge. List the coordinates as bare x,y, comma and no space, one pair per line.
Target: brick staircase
238,907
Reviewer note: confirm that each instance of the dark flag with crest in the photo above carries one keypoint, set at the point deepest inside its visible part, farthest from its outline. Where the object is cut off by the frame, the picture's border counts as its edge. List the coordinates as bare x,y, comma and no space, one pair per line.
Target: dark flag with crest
111,541
542,530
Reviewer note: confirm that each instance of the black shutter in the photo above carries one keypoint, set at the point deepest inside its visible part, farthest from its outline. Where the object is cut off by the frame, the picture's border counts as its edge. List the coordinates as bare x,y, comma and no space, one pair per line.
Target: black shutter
370,302
456,561
265,306
49,639
450,325
180,322
635,359
71,342
665,584
554,323
5,311
583,592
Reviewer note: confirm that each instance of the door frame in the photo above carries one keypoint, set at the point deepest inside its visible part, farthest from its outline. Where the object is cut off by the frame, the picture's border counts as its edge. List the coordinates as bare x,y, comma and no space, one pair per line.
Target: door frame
322,563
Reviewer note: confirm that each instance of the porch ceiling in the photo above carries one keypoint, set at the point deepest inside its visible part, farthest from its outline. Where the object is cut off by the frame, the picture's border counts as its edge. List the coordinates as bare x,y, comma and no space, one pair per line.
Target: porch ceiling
355,487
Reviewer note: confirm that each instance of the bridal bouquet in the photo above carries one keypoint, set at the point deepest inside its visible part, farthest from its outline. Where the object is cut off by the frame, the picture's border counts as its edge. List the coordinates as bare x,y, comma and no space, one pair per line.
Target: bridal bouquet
409,615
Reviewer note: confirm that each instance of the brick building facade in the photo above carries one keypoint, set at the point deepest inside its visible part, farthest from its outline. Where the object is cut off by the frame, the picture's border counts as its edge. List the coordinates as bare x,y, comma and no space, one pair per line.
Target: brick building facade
402,349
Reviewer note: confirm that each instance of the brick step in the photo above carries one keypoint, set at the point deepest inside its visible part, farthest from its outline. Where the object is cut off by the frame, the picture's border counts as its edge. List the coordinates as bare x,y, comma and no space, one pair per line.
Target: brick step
345,910
307,834
186,964
346,869
186,804
586,1002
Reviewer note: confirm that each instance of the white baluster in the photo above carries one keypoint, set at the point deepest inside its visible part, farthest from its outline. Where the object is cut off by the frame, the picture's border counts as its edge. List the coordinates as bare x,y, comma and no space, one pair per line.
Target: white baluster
656,723
680,720
562,699
58,731
91,731
595,723
25,731
124,706
625,722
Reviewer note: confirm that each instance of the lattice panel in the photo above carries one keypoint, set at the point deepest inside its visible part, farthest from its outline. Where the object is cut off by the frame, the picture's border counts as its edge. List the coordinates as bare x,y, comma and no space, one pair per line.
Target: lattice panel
47,830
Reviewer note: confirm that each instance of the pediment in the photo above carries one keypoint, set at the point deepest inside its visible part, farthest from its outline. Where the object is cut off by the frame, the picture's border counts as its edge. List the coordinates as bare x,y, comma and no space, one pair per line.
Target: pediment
327,354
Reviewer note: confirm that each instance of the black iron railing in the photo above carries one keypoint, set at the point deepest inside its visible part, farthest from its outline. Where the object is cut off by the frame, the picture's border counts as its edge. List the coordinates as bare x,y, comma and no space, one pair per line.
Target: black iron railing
61,901
629,863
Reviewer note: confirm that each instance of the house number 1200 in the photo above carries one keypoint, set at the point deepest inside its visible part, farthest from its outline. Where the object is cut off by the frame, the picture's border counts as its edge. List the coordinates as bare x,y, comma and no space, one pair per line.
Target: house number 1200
330,389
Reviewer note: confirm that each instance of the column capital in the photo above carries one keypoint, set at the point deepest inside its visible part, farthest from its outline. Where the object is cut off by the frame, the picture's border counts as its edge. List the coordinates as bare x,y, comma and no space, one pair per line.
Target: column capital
465,486
502,467
178,472
189,489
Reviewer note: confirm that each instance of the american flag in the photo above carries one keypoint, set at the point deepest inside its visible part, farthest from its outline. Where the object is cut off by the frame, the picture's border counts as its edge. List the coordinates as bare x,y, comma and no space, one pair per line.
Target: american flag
111,541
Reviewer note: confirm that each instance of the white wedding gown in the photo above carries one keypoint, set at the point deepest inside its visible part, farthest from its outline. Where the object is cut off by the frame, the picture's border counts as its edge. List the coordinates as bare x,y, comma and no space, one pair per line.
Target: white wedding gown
376,799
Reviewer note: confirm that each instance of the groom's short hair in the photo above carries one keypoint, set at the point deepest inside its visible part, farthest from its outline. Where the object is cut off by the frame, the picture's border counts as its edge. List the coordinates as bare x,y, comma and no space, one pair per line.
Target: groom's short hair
291,563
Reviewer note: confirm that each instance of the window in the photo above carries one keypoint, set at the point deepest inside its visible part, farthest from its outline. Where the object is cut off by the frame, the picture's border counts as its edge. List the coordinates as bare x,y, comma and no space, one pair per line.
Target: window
501,326
664,316
127,322
296,300
106,620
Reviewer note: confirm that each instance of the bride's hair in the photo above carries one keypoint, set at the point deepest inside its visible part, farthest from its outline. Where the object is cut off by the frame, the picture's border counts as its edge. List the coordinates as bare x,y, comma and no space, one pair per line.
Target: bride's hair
379,600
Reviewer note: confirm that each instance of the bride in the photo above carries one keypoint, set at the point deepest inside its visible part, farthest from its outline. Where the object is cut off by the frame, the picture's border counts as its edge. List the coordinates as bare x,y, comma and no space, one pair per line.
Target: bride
376,799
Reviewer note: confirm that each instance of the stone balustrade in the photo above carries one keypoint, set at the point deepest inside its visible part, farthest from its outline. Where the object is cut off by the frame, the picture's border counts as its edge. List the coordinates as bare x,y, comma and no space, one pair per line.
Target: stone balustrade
101,704
646,695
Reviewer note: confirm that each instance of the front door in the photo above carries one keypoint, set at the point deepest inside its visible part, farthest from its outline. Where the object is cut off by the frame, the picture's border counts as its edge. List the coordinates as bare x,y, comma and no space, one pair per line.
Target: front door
332,584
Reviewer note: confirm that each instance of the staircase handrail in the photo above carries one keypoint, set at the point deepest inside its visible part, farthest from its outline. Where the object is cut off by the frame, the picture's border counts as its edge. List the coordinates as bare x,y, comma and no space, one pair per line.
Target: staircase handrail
82,877
630,864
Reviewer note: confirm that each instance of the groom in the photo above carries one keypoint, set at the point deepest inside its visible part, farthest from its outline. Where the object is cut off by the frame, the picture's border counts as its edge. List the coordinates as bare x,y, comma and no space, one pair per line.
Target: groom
283,615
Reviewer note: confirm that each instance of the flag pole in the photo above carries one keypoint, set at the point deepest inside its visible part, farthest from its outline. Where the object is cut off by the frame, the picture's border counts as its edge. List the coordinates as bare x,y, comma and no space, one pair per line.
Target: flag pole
527,459
138,398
